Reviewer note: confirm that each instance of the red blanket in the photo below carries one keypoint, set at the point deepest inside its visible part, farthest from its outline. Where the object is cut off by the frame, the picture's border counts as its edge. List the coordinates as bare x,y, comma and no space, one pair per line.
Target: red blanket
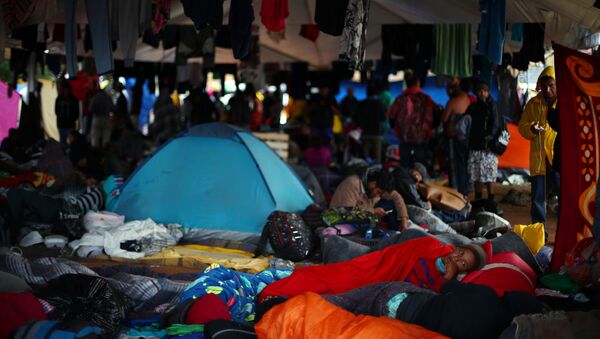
393,263
577,78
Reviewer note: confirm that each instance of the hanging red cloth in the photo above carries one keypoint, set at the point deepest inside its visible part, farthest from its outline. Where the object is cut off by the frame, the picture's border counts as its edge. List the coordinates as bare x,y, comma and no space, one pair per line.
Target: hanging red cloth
273,14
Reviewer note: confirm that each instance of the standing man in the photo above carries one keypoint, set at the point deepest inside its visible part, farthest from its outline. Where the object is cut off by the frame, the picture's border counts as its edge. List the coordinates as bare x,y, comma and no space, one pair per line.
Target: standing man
370,116
101,108
411,115
66,108
534,126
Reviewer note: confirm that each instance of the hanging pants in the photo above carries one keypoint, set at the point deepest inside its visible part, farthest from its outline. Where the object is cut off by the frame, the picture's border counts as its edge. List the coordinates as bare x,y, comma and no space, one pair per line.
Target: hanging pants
97,12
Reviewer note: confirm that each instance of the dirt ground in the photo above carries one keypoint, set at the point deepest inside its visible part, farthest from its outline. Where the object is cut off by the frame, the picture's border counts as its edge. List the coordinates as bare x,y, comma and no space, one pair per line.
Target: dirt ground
520,214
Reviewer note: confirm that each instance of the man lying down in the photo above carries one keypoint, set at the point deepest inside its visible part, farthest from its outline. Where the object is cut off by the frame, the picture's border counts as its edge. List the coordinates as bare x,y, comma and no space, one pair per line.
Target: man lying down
424,262
461,311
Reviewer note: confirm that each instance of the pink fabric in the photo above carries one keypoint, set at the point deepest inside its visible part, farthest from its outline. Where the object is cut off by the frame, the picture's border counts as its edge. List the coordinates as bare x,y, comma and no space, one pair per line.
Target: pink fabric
9,108
317,157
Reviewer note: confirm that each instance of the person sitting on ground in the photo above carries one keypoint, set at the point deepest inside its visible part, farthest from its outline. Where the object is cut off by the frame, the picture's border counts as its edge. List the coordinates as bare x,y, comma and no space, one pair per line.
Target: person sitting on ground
374,194
424,262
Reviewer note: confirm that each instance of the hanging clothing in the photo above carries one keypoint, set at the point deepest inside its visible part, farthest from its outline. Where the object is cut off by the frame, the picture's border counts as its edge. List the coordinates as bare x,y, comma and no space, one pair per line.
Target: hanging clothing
194,44
533,46
208,13
353,41
145,14
15,12
97,11
241,17
414,43
492,29
453,50
273,14
10,109
160,15
128,16
330,16
310,32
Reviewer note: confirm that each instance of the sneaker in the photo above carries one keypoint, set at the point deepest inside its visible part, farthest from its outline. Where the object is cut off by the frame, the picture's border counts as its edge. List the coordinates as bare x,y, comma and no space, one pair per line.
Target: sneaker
32,238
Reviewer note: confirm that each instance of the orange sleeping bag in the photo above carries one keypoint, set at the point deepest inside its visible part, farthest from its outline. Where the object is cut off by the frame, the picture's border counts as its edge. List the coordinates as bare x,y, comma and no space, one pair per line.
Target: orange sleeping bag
310,316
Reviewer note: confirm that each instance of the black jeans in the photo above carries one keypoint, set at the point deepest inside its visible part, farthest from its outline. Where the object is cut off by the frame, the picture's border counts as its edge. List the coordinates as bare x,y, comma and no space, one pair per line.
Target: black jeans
40,207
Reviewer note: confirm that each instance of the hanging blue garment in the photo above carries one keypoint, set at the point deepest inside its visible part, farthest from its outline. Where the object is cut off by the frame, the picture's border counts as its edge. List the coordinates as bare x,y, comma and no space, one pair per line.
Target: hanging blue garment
517,32
492,29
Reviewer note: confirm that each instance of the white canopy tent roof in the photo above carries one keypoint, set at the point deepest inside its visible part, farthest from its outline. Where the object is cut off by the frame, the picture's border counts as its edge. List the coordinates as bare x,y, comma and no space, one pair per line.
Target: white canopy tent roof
321,53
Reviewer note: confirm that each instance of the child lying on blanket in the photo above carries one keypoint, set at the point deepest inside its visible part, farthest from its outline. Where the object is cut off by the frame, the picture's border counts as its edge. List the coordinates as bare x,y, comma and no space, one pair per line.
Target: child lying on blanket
425,262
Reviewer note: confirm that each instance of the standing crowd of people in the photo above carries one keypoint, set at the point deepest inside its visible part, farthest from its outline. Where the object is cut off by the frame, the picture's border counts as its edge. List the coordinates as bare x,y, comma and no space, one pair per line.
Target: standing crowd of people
464,140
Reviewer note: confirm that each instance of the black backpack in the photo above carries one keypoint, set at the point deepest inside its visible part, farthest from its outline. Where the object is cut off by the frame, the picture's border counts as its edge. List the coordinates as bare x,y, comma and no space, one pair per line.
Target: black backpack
289,236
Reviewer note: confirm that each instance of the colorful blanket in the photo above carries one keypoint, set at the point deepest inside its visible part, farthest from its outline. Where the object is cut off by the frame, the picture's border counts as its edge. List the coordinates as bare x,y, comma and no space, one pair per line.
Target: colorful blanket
238,290
578,85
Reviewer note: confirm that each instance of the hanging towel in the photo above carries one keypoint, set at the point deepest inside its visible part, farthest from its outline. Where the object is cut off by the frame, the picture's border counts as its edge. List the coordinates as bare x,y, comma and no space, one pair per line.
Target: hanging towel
453,50
492,29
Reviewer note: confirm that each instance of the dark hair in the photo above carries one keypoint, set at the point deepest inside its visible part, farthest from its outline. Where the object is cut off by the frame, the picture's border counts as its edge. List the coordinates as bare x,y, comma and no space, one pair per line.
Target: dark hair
383,180
482,85
410,78
465,84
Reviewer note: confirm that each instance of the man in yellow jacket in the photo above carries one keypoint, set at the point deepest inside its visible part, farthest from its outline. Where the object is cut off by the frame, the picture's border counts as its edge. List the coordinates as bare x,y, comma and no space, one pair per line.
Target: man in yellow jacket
534,127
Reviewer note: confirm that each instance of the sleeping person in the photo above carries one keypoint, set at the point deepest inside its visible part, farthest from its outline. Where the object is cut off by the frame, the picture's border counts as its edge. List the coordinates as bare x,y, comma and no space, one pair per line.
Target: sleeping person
424,262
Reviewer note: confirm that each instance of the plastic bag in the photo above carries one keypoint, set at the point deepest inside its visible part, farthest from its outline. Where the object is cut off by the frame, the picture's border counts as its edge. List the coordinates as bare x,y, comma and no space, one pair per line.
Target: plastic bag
533,235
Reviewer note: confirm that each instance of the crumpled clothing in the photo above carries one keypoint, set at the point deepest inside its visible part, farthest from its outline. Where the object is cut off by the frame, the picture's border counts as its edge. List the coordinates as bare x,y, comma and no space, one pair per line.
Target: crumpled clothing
87,298
147,331
154,236
238,290
148,293
557,324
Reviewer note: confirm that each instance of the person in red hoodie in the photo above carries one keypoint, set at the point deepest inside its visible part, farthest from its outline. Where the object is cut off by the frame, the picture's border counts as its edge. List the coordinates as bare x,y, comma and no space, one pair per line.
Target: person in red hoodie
425,262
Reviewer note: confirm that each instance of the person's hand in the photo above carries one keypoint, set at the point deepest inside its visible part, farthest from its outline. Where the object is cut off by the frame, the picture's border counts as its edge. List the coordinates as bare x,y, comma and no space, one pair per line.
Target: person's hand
451,268
537,128
380,212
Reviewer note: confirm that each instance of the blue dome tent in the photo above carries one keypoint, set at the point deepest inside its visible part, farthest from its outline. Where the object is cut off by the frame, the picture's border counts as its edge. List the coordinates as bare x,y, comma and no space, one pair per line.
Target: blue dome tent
213,177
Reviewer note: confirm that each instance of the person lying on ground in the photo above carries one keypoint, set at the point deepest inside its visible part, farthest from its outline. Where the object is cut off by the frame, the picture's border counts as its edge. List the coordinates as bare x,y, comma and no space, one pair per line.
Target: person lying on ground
374,194
63,209
424,262
488,314
445,203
